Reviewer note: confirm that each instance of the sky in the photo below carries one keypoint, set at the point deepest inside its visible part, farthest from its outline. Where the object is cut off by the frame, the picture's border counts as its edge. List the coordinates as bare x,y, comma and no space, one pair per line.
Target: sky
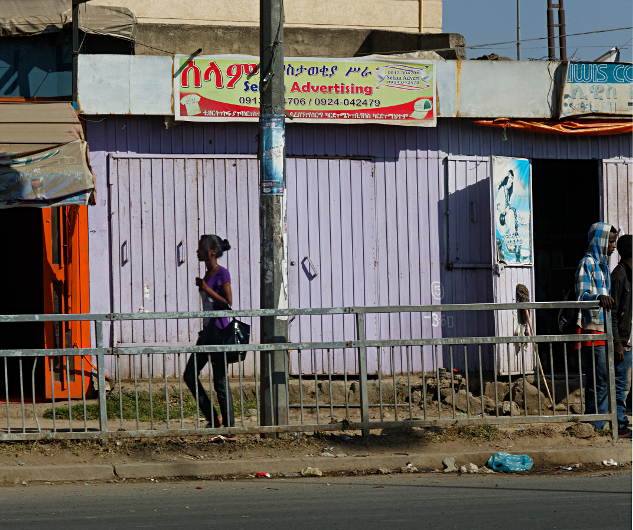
490,21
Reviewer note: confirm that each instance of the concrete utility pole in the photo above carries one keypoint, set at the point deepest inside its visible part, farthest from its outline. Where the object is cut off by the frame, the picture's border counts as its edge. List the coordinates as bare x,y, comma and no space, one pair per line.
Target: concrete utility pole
518,30
272,211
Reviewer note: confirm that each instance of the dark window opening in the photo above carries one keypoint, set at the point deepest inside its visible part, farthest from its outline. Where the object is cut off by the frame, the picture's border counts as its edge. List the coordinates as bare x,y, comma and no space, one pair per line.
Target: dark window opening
23,293
566,202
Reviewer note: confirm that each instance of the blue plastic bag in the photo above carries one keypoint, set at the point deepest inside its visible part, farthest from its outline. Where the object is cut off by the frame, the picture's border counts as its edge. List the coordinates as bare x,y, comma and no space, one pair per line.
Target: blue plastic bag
507,462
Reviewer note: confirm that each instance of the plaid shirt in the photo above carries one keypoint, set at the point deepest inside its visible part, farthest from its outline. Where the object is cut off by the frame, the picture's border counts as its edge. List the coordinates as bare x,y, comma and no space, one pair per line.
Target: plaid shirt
593,277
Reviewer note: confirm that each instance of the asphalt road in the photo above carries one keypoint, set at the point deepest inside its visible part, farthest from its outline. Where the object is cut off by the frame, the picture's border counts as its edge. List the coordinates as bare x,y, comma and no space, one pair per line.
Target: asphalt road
378,501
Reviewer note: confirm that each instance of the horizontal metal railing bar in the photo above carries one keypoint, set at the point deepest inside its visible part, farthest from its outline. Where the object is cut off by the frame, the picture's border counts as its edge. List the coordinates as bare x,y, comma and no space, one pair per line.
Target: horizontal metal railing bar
53,352
107,317
294,346
187,156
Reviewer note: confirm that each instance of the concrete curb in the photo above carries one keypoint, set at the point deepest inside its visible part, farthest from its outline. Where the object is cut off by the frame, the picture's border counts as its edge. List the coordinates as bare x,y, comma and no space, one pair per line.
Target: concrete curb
15,474
421,461
78,472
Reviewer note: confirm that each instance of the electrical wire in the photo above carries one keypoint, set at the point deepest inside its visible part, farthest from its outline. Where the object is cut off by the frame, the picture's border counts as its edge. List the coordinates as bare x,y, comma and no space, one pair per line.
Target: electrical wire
545,38
498,43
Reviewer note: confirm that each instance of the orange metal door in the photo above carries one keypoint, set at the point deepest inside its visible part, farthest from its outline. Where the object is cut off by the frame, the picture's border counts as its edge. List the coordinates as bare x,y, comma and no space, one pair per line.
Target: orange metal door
66,291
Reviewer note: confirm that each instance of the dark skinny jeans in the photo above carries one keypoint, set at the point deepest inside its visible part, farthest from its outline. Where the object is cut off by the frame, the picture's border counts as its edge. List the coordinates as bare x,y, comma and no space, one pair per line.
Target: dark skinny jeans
220,383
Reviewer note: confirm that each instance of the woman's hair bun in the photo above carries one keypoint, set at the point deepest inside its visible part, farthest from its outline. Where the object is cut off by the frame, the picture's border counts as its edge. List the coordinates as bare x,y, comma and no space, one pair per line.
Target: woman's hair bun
226,245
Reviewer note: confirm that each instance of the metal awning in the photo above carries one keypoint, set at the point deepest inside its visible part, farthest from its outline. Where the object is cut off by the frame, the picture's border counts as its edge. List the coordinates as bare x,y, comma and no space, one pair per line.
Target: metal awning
43,156
35,17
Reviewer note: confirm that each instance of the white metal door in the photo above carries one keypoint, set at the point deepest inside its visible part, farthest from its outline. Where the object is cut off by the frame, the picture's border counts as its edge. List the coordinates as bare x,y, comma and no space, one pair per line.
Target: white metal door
512,253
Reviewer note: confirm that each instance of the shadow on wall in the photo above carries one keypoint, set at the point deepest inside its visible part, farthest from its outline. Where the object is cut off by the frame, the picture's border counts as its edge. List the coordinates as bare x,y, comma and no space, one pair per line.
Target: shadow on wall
466,272
38,68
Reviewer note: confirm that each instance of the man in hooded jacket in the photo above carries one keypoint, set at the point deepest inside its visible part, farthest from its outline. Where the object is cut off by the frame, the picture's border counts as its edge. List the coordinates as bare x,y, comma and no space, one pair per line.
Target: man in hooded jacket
593,282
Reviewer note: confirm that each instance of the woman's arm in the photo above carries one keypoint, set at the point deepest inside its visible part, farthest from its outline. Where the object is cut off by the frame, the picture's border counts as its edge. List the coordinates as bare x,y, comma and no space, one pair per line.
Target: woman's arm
222,301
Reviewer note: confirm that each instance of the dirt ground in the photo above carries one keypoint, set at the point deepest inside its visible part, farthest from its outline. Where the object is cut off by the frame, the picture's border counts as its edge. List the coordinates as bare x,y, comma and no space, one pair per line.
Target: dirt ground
456,440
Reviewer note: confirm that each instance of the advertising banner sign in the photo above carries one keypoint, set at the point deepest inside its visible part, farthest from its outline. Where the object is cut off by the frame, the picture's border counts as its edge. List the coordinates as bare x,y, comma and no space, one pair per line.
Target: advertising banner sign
512,210
598,88
368,90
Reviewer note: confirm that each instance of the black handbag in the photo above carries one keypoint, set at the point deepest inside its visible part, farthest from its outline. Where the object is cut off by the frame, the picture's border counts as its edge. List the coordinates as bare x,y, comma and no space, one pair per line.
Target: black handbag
235,333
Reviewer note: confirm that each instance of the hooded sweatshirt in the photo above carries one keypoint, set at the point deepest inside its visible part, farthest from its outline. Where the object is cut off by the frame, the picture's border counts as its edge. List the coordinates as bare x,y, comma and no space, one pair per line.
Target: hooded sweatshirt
593,277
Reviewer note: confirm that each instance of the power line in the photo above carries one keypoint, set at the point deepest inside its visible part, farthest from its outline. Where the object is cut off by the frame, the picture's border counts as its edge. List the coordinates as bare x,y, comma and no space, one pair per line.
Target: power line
545,38
494,43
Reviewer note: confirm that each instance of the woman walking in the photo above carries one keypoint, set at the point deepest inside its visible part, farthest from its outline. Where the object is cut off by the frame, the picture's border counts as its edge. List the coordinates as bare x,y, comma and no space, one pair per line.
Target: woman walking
215,290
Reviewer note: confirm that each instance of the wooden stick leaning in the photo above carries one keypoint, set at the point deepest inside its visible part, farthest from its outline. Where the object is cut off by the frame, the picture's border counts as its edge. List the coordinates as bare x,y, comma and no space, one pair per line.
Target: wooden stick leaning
549,395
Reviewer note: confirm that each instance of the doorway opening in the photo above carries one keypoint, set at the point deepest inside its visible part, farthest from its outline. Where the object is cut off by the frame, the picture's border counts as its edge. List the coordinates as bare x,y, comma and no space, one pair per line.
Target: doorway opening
566,202
23,293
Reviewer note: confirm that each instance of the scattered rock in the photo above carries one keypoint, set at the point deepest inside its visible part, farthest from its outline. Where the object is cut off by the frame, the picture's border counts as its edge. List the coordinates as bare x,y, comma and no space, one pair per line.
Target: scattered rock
502,390
576,409
311,472
531,396
510,408
408,469
462,399
582,430
384,471
449,464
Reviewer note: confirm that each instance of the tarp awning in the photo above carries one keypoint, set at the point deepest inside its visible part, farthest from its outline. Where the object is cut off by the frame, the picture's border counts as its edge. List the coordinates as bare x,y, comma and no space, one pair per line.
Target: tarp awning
34,17
52,177
43,156
586,127
30,127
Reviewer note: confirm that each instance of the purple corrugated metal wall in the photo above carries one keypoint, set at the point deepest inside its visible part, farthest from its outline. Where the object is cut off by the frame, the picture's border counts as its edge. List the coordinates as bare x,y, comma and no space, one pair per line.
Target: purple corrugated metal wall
396,174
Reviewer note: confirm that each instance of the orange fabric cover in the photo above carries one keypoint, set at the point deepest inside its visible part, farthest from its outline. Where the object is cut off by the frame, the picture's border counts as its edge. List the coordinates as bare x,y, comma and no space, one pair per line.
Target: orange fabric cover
574,127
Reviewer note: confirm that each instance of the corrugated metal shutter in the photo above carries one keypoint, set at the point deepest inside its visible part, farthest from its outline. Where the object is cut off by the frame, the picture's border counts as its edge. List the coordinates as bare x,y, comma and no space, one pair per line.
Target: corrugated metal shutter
332,242
468,277
160,205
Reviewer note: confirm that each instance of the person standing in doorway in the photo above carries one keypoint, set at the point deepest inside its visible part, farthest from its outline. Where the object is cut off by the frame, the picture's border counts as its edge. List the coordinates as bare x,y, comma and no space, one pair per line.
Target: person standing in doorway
215,290
593,282
621,317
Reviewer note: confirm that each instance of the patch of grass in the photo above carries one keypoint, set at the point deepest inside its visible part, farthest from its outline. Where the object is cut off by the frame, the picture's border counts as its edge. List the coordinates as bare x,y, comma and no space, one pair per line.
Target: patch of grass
158,407
478,432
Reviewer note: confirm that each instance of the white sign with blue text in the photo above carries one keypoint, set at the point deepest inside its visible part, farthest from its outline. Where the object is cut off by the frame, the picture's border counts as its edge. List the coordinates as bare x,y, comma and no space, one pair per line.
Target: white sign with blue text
597,88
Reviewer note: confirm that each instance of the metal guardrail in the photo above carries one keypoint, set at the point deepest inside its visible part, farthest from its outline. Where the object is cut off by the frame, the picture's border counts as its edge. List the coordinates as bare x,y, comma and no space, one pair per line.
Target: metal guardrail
423,393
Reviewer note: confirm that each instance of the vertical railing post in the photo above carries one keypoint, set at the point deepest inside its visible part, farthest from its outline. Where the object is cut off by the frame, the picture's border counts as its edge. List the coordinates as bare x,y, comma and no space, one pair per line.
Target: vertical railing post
103,412
362,373
613,405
